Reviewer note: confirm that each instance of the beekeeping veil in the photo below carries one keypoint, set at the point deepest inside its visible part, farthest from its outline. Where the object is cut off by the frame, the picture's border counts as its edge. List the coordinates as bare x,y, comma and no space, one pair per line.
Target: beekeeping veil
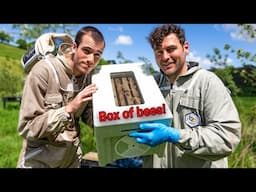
48,43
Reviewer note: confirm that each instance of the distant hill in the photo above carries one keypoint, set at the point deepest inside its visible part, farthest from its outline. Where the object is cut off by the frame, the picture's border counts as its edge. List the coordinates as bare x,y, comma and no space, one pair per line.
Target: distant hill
10,51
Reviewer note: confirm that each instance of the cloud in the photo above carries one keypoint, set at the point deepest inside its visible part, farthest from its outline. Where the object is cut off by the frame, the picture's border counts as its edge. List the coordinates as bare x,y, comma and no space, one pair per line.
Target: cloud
235,32
118,29
123,40
204,62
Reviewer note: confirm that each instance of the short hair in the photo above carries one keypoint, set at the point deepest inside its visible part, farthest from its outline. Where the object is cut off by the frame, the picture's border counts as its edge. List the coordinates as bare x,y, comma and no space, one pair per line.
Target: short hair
95,33
159,33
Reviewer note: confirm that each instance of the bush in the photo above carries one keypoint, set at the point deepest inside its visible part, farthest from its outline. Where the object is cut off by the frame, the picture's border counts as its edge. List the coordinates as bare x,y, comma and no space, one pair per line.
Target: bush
11,77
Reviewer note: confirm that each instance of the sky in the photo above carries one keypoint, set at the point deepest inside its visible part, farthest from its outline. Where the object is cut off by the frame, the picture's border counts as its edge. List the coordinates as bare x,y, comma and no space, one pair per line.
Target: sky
131,40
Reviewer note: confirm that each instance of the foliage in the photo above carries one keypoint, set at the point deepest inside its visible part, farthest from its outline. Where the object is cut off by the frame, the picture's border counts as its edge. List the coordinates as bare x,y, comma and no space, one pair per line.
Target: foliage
147,62
248,30
5,37
103,62
244,155
218,58
22,44
88,139
11,71
240,81
245,57
122,59
245,78
30,32
11,77
227,78
10,142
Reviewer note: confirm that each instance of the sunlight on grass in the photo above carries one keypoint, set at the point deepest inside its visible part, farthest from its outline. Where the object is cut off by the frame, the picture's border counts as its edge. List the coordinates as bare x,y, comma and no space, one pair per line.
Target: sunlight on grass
243,157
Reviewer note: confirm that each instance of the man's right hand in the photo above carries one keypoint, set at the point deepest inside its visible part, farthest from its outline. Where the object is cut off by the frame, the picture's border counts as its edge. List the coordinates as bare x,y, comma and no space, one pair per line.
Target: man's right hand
82,97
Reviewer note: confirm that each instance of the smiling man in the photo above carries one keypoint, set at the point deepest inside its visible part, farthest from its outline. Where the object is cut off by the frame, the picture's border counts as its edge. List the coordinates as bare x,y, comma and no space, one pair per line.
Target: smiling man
57,92
206,127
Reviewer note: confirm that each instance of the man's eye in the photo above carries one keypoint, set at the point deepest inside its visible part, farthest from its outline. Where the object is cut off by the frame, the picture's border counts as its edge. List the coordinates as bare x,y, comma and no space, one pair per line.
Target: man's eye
170,49
86,51
158,52
97,54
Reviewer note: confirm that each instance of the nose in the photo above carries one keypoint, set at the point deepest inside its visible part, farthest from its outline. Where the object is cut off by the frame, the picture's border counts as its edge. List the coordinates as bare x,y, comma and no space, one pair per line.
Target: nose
165,55
90,59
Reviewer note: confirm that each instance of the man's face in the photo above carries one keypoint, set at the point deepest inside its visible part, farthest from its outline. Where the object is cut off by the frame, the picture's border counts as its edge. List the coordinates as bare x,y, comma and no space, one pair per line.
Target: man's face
171,56
87,55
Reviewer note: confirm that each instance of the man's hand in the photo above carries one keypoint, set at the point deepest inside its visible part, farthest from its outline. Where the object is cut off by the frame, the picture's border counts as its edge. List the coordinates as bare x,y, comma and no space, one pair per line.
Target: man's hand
82,97
156,133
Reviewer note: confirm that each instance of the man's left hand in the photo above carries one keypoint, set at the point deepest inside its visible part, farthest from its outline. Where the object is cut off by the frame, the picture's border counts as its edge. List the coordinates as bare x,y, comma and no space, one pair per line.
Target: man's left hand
153,134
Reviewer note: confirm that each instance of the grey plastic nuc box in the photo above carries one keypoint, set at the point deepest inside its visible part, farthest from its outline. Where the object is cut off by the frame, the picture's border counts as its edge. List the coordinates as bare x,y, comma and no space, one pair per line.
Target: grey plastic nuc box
127,95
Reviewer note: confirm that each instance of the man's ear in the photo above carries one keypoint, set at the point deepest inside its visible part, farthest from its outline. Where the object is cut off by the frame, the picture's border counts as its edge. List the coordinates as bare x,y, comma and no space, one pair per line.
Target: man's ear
74,47
73,50
186,47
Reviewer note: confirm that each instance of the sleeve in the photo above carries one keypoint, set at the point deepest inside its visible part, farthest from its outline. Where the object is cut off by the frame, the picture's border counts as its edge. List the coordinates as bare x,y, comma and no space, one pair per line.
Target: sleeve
220,132
36,121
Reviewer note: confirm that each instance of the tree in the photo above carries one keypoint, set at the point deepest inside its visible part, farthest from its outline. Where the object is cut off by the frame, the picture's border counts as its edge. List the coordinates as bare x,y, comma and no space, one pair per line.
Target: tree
30,32
248,30
103,62
218,58
122,59
5,37
22,44
147,62
226,75
245,78
245,57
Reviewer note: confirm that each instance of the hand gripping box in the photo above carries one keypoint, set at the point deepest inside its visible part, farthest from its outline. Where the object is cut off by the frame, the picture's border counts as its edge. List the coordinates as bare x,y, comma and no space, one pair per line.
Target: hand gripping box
127,95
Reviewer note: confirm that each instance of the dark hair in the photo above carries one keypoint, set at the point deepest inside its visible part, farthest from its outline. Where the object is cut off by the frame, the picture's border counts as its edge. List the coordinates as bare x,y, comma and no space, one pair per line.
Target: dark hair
159,33
94,32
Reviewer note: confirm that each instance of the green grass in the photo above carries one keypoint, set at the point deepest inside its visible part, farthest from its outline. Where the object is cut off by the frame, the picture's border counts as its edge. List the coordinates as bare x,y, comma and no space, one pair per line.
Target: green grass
11,142
245,103
11,51
247,109
243,157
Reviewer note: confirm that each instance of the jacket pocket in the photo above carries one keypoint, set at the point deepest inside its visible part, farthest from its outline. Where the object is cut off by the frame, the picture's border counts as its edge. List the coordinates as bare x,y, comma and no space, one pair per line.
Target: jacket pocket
46,155
53,101
190,102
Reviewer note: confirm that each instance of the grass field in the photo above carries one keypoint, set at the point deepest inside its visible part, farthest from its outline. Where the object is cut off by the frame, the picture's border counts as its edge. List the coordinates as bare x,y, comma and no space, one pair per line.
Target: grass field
11,142
243,157
11,51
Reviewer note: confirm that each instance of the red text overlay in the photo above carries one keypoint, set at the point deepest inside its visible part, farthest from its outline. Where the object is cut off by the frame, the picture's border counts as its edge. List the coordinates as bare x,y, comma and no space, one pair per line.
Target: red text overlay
131,113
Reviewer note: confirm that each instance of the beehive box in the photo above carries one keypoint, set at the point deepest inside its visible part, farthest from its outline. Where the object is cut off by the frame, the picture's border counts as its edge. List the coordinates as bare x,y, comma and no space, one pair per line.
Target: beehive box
127,95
